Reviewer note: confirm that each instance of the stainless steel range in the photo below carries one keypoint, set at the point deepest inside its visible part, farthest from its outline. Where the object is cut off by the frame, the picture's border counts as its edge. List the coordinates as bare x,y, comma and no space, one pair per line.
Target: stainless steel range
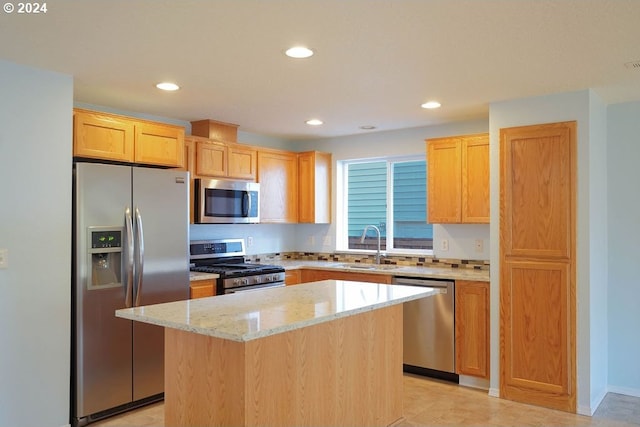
226,258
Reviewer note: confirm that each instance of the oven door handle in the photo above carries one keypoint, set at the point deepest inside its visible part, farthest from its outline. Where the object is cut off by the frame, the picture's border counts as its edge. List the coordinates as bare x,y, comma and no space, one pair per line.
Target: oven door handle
254,288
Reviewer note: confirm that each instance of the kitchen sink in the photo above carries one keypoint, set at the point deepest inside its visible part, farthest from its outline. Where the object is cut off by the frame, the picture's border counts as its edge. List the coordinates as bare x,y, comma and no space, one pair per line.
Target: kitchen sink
369,266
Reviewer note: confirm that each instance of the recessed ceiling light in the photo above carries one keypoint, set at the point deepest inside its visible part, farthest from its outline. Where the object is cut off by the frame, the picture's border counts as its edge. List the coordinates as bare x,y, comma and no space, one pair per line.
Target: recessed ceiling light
299,52
367,127
167,86
431,105
314,122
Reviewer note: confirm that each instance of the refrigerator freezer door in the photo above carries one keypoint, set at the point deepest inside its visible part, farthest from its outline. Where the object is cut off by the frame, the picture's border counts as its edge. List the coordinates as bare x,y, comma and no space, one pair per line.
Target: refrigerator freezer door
103,341
162,199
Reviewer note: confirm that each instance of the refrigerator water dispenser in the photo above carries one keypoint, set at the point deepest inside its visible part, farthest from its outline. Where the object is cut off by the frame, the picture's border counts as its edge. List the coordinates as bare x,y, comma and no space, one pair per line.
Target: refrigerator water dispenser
105,250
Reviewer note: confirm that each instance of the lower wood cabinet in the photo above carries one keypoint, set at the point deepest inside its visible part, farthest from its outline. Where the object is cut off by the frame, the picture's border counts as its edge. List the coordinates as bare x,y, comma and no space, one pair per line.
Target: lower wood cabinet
472,328
202,288
310,275
292,277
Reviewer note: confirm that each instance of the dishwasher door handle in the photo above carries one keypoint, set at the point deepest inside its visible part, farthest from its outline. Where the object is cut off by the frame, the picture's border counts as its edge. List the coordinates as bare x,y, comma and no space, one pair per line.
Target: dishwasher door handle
423,283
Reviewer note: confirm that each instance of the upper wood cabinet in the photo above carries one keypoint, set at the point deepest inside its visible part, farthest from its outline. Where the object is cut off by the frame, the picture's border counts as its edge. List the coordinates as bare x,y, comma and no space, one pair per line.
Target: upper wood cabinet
538,265
224,160
111,137
278,178
314,192
458,179
472,328
243,162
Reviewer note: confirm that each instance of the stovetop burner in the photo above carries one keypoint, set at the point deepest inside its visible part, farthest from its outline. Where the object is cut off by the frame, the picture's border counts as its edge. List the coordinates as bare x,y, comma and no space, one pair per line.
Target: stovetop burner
237,270
226,258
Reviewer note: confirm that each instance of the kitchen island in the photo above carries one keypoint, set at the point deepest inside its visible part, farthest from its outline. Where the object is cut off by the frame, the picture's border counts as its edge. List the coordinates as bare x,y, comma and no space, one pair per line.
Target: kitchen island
325,353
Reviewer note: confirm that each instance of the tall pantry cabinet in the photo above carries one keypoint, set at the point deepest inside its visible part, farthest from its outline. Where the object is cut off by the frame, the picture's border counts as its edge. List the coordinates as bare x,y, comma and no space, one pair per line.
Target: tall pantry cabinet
538,265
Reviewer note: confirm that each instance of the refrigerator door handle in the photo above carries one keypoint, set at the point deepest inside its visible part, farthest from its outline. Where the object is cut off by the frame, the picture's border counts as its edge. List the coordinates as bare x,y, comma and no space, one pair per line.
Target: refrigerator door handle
128,223
140,260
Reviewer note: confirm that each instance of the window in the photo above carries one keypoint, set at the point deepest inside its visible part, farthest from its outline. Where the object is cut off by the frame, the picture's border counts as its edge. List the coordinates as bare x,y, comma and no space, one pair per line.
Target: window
391,194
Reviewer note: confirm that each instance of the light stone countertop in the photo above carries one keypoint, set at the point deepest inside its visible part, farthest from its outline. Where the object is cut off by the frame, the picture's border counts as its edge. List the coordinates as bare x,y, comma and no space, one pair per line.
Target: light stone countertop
194,276
392,270
245,316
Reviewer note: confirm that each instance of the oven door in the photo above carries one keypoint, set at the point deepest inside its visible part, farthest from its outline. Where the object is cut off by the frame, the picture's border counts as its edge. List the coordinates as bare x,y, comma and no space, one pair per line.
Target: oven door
226,202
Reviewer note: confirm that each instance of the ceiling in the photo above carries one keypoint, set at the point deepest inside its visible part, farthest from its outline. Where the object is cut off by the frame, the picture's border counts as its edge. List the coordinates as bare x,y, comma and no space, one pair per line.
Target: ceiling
376,61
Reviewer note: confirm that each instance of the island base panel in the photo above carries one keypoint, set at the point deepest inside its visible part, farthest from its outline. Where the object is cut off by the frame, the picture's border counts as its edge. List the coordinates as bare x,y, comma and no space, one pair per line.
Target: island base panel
344,372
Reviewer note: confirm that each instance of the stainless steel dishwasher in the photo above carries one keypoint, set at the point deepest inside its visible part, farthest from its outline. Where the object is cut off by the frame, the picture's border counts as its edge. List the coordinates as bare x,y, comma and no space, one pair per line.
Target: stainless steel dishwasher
429,344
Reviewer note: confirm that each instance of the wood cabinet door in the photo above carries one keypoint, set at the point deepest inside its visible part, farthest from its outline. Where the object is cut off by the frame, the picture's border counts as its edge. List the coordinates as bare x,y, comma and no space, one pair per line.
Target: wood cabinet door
475,179
311,275
314,193
103,136
292,277
242,162
444,183
472,328
211,159
538,330
537,265
202,288
161,145
278,178
538,191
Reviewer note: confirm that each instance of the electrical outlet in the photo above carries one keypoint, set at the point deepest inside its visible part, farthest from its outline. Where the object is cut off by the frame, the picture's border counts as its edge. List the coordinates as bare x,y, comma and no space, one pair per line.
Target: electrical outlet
479,245
249,241
4,258
444,245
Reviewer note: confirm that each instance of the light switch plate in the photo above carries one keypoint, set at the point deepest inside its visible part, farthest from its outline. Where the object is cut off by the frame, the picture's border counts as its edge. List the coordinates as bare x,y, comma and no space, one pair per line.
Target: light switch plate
4,258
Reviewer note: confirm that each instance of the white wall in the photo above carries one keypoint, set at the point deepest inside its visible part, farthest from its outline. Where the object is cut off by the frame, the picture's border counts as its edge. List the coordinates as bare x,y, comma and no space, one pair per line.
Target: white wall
35,218
623,130
266,238
394,143
586,108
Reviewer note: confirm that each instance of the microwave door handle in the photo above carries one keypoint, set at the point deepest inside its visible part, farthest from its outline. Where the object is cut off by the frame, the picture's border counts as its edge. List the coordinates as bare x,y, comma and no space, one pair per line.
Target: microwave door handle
140,260
128,223
246,204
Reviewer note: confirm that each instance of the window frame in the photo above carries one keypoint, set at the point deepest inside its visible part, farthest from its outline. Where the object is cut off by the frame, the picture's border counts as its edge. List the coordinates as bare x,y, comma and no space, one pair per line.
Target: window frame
342,199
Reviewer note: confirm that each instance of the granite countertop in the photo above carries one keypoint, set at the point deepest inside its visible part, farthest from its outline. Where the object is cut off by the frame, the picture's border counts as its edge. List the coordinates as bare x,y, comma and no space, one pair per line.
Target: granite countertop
389,269
196,275
255,314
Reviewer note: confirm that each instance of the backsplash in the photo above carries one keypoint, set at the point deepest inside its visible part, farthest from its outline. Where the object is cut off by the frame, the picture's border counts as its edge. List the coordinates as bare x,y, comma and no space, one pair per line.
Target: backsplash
370,259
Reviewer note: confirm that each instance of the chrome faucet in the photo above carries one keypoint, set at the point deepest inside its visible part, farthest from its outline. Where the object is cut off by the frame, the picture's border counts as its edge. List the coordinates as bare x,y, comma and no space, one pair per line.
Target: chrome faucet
364,234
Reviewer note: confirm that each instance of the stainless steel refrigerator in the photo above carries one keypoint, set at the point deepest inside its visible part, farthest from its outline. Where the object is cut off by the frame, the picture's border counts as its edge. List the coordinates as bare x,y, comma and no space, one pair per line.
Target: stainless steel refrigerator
130,249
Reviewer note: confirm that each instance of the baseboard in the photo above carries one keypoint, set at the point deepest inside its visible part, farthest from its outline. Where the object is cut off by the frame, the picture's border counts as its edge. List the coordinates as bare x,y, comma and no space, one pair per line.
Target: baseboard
635,392
494,392
473,382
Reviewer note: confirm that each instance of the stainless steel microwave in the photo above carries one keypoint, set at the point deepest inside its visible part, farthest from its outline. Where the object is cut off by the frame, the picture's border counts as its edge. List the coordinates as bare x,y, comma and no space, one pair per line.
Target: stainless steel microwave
219,201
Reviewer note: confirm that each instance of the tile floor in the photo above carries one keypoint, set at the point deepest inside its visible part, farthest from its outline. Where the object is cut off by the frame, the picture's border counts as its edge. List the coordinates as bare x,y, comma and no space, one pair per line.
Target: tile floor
433,403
